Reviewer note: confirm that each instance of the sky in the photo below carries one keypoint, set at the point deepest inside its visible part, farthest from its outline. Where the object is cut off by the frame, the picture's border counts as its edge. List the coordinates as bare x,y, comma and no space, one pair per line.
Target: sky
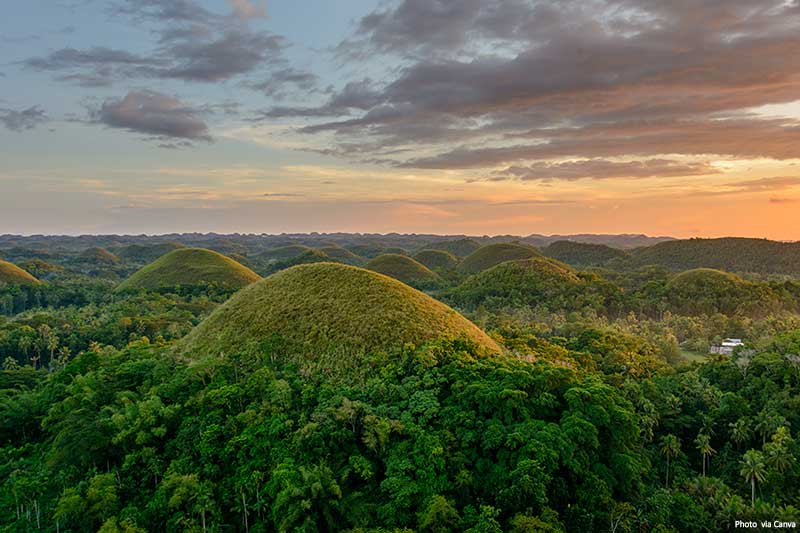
482,117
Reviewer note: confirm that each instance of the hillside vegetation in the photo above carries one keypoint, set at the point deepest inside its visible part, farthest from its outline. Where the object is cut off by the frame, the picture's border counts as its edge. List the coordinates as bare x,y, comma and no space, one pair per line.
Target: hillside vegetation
11,274
582,255
190,266
342,255
731,254
99,255
437,259
494,254
330,316
403,268
284,252
460,247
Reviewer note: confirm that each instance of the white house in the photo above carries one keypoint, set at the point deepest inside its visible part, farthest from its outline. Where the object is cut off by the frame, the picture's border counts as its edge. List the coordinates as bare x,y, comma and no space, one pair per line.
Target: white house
727,346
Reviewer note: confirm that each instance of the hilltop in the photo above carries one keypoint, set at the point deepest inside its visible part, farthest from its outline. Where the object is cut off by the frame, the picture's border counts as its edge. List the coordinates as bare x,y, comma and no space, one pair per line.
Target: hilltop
284,252
11,274
144,253
342,255
403,268
329,316
494,254
99,255
460,247
190,266
529,282
437,259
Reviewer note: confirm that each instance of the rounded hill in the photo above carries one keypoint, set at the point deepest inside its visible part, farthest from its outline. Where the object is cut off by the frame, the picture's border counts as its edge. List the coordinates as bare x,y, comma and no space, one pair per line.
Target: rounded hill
342,255
583,254
494,254
437,259
328,316
520,282
190,266
11,274
705,278
99,255
402,267
708,291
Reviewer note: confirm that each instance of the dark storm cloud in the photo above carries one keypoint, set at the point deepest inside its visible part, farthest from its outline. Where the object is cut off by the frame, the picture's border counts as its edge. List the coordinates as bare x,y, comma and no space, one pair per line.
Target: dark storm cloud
154,114
602,169
502,81
21,120
193,44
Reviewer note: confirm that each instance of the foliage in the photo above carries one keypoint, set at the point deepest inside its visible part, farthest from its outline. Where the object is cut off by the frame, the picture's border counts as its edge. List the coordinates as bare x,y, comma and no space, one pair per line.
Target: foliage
494,254
402,267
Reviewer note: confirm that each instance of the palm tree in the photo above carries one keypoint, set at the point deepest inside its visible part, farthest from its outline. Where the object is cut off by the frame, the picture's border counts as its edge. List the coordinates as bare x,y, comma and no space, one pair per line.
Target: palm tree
754,471
778,454
740,431
670,448
703,442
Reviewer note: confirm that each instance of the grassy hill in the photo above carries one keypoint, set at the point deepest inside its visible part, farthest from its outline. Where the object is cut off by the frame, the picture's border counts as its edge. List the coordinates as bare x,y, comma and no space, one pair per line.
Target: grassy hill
402,267
99,256
367,250
312,255
190,266
494,254
526,282
706,290
437,259
328,316
581,254
11,274
732,254
342,255
459,247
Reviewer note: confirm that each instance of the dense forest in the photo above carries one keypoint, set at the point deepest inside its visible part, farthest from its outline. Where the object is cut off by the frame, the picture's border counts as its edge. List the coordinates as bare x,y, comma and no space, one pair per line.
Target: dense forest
396,383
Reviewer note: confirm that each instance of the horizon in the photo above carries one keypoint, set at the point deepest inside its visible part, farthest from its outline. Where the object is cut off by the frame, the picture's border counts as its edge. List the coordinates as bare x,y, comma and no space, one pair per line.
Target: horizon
452,117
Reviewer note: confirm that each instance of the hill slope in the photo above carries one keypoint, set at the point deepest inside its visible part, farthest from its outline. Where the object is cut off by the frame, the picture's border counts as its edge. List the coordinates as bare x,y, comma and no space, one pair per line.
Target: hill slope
581,254
190,266
459,247
328,315
11,274
343,255
733,254
402,267
494,254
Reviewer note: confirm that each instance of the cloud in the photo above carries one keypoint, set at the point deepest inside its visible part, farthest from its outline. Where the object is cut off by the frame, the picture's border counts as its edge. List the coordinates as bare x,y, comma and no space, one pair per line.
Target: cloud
246,10
278,80
783,200
193,44
602,169
25,119
474,84
154,114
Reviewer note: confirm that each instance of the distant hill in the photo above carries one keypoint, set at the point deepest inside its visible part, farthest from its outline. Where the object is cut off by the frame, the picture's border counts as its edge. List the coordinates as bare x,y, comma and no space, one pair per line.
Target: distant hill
309,256
403,268
437,259
145,253
342,255
99,255
190,266
328,317
494,254
706,290
581,255
284,252
460,247
11,274
732,254
623,241
531,281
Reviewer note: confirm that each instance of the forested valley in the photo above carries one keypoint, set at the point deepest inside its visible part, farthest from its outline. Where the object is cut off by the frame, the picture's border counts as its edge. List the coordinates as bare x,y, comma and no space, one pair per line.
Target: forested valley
396,383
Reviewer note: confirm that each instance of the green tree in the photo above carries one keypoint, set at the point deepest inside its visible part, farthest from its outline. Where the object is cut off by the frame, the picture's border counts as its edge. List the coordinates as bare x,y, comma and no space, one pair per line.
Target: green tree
754,471
703,443
670,448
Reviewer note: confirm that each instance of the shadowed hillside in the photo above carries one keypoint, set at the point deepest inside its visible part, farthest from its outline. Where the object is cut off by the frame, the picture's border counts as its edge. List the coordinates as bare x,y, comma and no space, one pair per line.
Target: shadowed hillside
460,247
190,266
437,259
582,255
732,254
342,255
326,314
